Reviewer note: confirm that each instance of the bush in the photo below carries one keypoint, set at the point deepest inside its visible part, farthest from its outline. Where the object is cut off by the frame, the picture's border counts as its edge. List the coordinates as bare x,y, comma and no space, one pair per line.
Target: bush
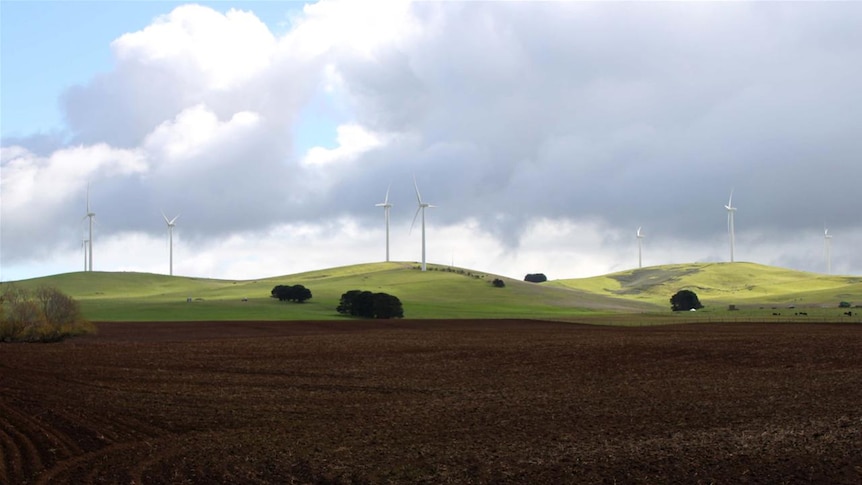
685,300
536,278
498,283
366,304
41,315
844,304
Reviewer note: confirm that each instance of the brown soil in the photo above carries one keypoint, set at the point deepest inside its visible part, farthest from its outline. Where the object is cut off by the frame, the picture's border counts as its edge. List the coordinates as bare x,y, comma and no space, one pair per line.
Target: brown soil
434,402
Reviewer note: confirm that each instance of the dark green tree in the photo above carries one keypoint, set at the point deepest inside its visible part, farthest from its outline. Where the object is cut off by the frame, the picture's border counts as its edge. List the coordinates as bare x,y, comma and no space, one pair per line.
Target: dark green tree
387,306
536,278
498,283
365,304
294,293
684,300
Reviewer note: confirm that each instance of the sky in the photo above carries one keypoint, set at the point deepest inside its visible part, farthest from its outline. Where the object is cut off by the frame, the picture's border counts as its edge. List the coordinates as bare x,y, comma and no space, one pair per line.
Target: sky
544,133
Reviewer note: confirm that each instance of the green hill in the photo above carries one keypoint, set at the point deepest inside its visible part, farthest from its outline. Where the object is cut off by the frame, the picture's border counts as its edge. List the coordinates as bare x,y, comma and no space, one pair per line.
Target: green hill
441,292
446,292
722,284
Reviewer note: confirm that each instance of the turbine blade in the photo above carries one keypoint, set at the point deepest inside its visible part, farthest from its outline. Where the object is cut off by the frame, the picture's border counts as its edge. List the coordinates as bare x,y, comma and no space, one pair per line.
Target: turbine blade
416,186
165,218
730,200
171,223
386,199
414,219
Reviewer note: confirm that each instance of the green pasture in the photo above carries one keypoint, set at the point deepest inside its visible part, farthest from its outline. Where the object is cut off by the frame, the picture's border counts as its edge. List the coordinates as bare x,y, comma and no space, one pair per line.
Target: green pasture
631,297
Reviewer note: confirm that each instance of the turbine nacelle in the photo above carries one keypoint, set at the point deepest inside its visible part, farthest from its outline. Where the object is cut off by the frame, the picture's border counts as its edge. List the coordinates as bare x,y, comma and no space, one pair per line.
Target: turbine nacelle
385,204
171,222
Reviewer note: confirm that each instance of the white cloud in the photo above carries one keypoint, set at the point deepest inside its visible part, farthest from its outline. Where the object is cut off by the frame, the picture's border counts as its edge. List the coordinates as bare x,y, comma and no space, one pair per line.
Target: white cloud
223,50
353,140
194,131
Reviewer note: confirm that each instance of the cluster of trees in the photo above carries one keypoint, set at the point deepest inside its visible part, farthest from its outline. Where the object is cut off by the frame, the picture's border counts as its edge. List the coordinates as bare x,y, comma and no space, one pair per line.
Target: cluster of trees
365,304
44,314
536,278
685,300
294,293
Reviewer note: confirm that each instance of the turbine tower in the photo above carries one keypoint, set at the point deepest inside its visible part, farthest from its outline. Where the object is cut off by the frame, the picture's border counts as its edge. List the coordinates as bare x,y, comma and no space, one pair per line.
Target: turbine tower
640,237
84,246
90,215
386,206
730,210
422,207
827,240
171,223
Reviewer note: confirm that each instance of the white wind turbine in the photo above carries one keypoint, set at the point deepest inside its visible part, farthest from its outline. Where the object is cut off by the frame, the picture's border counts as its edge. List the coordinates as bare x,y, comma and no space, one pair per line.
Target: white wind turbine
422,207
90,215
827,240
386,206
730,210
640,237
171,223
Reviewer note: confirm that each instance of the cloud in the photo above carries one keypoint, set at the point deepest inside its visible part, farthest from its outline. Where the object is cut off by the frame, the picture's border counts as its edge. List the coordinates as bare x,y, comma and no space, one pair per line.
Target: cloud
545,133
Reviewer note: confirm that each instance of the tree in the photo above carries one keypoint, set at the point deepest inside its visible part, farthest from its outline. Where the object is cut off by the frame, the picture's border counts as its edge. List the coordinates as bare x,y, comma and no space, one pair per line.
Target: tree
295,293
365,304
684,300
498,283
387,306
536,278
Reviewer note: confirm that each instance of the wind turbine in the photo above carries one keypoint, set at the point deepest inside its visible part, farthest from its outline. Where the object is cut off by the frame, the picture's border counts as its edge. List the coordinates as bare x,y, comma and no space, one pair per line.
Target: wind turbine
730,210
386,206
828,247
90,215
171,223
422,207
640,237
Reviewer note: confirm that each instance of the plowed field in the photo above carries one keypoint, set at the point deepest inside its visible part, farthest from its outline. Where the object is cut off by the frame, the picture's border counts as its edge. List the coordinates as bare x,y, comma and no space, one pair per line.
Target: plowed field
434,402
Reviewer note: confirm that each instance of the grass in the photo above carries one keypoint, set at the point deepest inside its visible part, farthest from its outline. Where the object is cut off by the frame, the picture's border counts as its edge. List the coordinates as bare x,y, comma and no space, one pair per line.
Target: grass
445,292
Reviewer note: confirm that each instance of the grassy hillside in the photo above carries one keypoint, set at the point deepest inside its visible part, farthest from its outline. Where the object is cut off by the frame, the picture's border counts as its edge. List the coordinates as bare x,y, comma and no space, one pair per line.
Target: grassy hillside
441,292
444,292
722,284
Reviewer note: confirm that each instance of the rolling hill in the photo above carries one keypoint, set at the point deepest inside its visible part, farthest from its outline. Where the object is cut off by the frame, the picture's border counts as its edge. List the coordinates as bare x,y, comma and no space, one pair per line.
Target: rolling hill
447,292
723,284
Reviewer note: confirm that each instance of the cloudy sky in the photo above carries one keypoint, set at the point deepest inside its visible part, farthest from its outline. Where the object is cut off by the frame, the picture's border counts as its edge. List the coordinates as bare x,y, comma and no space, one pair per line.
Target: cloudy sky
545,134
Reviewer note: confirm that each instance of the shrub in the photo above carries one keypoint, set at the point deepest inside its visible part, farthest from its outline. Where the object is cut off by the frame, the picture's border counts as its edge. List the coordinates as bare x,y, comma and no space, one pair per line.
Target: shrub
844,304
498,283
41,315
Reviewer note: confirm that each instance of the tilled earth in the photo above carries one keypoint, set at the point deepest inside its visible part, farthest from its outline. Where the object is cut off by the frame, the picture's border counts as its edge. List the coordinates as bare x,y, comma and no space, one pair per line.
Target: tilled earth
434,402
